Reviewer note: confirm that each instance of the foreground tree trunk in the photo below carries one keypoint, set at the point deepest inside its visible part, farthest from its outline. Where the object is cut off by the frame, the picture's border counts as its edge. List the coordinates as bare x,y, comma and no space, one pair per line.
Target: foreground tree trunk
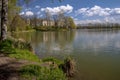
4,14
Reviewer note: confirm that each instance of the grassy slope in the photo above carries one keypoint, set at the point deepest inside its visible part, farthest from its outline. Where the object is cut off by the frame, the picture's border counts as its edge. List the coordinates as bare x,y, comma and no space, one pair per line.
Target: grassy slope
29,72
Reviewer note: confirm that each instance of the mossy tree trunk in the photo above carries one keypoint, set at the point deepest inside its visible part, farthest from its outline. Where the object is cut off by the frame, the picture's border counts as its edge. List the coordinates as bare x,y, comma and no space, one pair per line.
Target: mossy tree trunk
4,20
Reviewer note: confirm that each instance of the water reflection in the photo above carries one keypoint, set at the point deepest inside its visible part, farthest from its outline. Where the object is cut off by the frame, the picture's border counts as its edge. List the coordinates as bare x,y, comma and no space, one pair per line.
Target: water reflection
97,53
49,43
97,41
53,42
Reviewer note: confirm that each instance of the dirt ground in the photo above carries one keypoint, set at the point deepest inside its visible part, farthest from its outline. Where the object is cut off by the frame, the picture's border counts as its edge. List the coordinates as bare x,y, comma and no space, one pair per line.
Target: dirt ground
9,67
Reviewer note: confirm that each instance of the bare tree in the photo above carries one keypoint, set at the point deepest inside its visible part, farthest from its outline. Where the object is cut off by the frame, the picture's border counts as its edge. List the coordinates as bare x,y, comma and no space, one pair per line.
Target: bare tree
55,18
61,19
48,17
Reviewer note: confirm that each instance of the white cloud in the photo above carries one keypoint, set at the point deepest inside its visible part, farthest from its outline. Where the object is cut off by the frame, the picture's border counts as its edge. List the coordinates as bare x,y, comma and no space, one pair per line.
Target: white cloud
111,19
99,14
27,13
37,7
88,21
22,13
55,10
98,11
115,11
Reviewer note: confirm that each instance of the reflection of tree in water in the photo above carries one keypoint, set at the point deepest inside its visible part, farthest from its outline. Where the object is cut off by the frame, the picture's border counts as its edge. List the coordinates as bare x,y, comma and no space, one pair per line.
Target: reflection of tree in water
62,38
48,41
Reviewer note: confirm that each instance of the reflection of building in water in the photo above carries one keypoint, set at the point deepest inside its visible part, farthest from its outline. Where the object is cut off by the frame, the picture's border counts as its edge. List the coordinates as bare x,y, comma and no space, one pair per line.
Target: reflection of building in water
48,36
45,37
55,41
63,37
48,43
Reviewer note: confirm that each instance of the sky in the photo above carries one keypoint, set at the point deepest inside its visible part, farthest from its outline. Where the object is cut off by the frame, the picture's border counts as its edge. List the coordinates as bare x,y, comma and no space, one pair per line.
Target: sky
82,11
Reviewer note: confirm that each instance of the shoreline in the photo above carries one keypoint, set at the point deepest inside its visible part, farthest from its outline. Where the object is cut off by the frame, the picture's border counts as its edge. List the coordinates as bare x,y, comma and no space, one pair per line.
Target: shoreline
17,60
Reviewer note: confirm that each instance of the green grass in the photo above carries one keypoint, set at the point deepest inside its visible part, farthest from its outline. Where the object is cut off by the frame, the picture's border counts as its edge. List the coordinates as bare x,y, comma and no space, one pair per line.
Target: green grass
52,59
20,50
24,54
37,72
17,50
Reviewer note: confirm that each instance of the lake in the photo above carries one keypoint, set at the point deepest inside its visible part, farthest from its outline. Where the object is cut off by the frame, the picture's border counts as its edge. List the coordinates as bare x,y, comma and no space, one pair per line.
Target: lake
96,52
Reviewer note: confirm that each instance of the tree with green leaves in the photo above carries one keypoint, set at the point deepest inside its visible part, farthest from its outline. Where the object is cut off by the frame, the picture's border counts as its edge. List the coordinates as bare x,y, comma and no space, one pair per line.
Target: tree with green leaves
4,16
71,23
13,10
18,24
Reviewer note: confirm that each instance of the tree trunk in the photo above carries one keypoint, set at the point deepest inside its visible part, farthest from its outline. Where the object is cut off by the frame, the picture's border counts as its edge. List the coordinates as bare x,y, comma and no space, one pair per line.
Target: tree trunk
4,14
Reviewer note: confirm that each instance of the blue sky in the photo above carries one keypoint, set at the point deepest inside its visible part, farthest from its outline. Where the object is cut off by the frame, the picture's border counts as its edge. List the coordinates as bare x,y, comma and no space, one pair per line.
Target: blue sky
82,11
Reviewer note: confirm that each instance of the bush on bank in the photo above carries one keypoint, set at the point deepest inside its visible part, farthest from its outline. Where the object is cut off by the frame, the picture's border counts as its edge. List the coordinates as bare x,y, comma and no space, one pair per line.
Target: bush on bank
21,50
37,72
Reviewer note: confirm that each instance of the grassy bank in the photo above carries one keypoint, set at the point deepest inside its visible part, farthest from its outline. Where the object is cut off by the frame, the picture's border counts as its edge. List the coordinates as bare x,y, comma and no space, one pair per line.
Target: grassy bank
31,30
46,69
37,72
18,49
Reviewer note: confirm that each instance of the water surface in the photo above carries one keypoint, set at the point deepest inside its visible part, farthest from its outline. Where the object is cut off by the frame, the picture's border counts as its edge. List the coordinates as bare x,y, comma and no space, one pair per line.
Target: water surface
96,52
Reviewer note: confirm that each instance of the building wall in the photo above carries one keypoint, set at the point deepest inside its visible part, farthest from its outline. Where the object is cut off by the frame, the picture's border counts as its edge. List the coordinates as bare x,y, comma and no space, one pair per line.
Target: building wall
46,23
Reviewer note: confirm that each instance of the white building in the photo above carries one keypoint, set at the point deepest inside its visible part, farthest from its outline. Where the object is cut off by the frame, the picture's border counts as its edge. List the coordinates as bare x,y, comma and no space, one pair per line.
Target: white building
48,23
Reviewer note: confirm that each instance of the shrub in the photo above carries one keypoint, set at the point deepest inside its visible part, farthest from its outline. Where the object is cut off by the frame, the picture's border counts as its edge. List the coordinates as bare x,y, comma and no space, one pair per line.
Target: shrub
30,72
52,59
68,67
6,46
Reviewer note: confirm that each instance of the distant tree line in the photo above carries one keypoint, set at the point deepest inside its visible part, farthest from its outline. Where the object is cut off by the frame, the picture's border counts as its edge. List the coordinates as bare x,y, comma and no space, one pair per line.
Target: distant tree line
99,25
